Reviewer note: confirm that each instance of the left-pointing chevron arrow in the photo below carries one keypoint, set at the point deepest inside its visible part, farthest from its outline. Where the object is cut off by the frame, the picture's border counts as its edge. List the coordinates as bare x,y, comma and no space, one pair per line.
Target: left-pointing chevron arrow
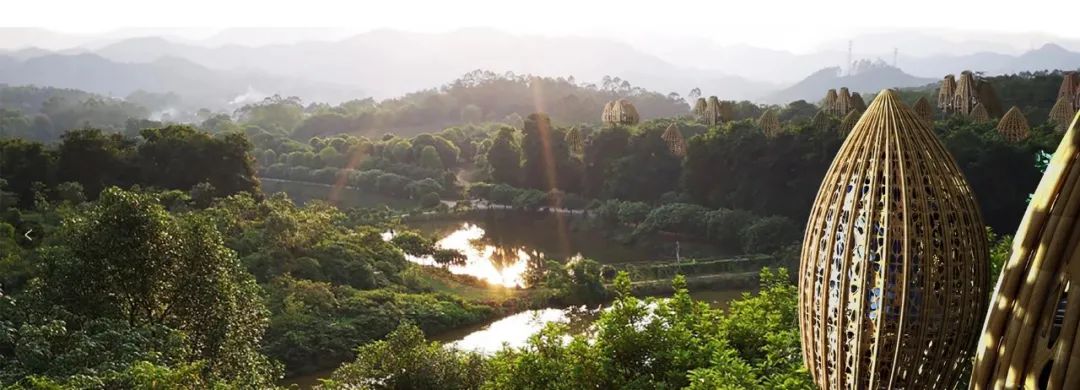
27,235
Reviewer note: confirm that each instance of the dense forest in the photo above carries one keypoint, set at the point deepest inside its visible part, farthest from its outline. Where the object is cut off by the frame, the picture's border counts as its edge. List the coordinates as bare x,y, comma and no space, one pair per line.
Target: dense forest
139,252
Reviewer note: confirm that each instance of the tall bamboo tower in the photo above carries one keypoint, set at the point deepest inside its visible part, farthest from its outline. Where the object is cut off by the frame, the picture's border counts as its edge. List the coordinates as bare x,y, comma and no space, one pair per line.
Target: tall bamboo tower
945,94
620,112
843,102
857,102
1030,337
1070,89
829,102
966,96
699,108
923,110
727,111
1014,127
849,121
675,141
1061,113
713,112
575,141
769,123
893,278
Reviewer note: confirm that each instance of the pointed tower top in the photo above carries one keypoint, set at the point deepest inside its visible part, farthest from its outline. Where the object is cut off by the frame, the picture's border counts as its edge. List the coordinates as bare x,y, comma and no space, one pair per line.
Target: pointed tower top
1014,126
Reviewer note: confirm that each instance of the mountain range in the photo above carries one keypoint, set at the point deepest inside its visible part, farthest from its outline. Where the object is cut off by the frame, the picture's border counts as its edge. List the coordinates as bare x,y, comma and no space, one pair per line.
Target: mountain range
388,63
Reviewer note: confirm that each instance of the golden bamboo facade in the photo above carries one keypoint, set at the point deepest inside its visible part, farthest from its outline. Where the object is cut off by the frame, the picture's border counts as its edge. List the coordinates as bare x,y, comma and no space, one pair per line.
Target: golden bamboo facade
893,275
966,96
620,112
1061,113
1014,127
699,108
843,102
829,102
979,114
675,141
1070,89
849,121
945,94
1029,339
769,123
924,110
714,111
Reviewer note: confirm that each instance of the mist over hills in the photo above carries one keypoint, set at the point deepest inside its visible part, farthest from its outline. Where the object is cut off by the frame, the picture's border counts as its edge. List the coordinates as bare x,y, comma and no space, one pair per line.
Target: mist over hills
329,65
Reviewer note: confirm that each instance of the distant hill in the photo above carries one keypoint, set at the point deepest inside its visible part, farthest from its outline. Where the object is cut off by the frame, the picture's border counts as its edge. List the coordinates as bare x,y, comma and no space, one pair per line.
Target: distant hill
867,79
196,84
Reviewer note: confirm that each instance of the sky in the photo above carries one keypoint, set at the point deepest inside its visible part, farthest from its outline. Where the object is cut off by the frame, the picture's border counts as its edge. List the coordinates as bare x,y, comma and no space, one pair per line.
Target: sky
797,26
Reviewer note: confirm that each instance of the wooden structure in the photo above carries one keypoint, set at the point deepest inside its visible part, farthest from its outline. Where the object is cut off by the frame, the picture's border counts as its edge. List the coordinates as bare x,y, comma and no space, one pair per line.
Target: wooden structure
769,123
1030,337
893,275
1014,127
1061,113
967,95
945,94
978,114
1070,89
727,111
857,102
713,112
620,112
924,110
843,102
675,141
829,102
699,108
821,121
849,121
575,141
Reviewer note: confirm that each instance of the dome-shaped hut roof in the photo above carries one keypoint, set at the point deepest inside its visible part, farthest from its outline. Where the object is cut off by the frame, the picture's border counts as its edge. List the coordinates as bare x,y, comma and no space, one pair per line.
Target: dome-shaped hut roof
675,141
1061,114
849,121
1030,335
893,276
820,121
923,109
945,94
620,112
979,114
857,102
575,141
1014,126
769,123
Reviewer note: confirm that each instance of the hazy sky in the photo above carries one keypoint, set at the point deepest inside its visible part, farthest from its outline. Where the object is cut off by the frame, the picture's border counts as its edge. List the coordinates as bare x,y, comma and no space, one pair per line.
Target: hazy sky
791,25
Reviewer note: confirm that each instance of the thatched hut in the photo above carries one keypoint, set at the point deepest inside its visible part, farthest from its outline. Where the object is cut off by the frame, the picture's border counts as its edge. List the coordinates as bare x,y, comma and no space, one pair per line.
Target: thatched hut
769,123
923,109
893,277
1014,127
979,114
620,112
1061,114
945,94
849,121
675,141
1030,337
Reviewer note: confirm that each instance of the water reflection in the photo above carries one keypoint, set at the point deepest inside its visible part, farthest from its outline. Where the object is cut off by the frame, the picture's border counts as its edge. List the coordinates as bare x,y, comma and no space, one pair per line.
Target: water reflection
497,265
514,330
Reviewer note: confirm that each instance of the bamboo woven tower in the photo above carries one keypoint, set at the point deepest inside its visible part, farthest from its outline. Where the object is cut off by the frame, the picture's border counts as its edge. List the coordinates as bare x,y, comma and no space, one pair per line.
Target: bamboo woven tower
1070,89
966,96
857,102
727,111
713,111
1014,126
575,141
769,123
1061,113
829,102
924,110
979,114
699,108
620,112
1030,337
843,101
945,94
675,141
893,276
849,121
820,121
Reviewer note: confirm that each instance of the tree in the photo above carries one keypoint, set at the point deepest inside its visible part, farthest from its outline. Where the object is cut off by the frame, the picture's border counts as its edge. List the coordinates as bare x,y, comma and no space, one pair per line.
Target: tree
429,158
504,157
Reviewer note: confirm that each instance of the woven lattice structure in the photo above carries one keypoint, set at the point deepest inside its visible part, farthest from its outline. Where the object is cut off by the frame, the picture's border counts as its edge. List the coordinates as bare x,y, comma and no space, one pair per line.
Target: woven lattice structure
924,110
843,101
769,123
945,94
979,114
829,102
893,278
1014,127
849,121
1061,114
857,102
675,142
1070,89
713,111
699,108
620,112
967,95
575,141
1029,340
821,121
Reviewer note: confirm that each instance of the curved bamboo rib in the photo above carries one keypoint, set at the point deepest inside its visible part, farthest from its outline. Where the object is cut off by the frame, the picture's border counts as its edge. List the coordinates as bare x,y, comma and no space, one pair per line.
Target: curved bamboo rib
893,273
575,141
1014,127
1029,339
979,114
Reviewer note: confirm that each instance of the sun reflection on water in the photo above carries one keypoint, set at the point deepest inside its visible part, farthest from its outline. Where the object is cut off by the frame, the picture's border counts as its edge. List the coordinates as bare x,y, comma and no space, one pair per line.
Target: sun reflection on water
496,265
